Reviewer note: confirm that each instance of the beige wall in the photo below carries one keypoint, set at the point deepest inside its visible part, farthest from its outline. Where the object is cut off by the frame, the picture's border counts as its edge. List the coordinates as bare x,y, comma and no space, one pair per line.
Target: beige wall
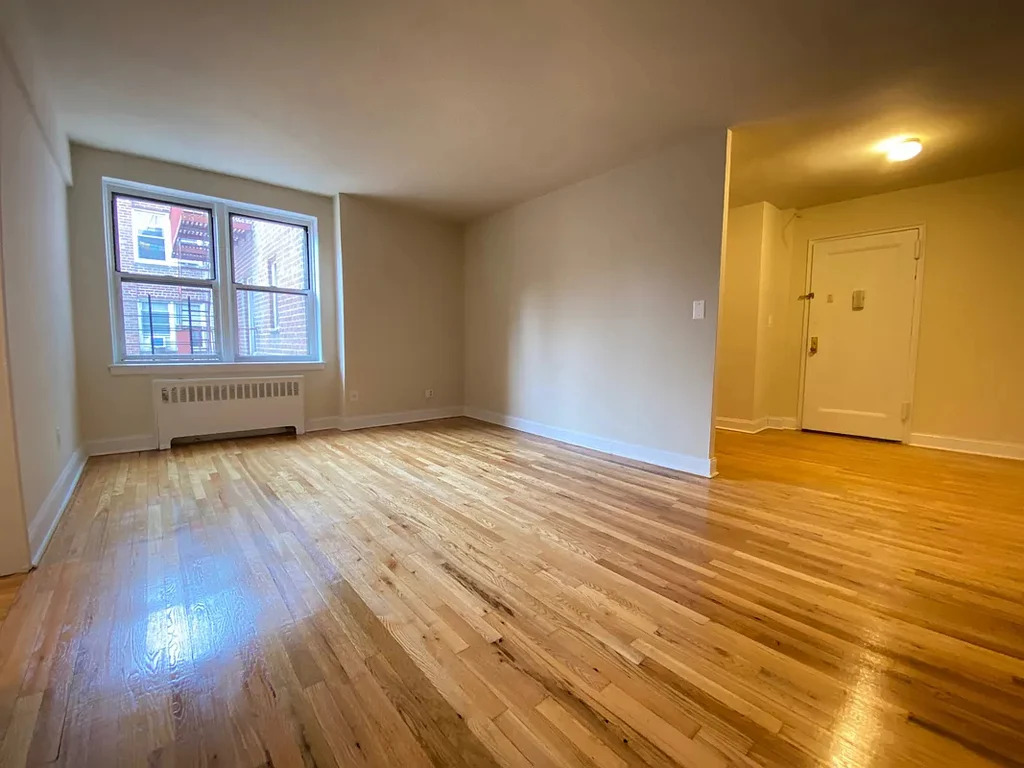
776,262
970,367
119,408
38,362
736,369
402,277
14,554
775,346
758,260
578,303
22,53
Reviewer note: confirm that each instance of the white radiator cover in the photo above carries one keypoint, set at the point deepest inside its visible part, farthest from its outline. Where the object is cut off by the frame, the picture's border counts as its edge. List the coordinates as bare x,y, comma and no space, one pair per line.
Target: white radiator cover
190,407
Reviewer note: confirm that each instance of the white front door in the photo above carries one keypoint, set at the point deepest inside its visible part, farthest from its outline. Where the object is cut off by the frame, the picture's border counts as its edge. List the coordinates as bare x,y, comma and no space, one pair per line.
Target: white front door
858,368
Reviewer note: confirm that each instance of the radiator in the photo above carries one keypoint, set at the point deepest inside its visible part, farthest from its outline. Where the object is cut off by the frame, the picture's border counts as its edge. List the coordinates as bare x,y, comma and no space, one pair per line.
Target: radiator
191,407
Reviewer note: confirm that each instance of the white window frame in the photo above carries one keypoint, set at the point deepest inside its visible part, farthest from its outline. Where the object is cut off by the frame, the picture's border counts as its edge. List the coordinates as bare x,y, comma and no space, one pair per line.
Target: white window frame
223,306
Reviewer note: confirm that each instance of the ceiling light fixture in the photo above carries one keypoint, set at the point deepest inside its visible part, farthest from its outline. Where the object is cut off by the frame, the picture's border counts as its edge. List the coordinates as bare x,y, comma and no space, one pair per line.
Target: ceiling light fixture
903,150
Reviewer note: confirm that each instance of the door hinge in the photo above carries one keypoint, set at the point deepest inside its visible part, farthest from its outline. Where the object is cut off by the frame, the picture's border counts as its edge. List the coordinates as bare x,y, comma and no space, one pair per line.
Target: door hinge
806,297
917,249
905,411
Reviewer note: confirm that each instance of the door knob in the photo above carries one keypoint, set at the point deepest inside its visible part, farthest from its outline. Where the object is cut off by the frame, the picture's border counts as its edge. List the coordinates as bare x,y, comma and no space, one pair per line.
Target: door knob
814,346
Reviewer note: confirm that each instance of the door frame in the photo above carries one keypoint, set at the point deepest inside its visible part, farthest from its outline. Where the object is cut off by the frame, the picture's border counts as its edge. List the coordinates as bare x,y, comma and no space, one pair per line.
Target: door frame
915,327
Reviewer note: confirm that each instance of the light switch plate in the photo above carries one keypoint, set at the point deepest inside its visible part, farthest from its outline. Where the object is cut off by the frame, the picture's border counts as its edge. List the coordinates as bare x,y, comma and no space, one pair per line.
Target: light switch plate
698,309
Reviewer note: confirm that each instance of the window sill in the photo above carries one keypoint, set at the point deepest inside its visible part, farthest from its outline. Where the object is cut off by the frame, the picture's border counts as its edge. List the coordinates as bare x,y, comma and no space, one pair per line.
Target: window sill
188,369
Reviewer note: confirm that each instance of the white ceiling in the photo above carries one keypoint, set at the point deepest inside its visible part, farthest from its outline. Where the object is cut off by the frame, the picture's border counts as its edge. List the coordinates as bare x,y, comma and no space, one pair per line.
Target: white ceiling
465,106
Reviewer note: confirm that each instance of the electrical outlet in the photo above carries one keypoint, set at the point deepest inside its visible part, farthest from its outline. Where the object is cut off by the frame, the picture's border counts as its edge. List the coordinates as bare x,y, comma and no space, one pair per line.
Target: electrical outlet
698,309
428,393
353,395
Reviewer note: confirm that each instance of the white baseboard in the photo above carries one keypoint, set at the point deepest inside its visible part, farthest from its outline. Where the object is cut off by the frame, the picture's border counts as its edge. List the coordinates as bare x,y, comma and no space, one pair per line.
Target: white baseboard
322,423
965,445
753,426
128,444
44,522
693,465
401,417
135,443
750,426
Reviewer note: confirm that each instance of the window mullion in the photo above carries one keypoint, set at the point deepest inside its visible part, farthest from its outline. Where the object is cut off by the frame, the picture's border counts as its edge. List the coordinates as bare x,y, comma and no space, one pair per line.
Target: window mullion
228,332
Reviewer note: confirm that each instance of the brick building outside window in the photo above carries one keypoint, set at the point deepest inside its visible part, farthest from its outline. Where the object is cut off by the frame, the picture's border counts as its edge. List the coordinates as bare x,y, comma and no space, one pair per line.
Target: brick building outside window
174,280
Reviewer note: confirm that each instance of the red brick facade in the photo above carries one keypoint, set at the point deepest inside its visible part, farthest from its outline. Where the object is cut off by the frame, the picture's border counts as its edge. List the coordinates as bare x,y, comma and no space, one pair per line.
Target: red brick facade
267,253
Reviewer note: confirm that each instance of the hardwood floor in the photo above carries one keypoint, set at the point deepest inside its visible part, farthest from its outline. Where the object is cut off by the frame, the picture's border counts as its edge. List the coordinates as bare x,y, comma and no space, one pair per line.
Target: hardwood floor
459,594
9,586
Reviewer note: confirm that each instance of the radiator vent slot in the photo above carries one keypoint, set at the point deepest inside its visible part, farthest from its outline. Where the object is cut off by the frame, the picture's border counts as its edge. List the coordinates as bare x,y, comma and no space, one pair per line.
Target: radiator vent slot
191,407
180,394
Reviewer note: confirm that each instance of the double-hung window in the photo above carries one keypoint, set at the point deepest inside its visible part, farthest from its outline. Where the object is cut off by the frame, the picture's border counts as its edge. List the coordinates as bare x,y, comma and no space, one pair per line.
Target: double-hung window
196,279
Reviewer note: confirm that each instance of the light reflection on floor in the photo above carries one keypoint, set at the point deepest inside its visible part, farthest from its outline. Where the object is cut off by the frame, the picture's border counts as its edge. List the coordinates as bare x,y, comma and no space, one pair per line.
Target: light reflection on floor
203,627
168,641
858,723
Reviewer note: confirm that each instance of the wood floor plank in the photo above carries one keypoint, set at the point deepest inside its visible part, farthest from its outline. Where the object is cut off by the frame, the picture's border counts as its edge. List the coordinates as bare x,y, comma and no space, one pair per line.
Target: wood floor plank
9,586
455,593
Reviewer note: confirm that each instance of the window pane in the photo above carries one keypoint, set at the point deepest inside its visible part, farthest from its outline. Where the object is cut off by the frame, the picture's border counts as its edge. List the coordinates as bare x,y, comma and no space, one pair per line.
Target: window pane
267,253
272,324
156,238
167,321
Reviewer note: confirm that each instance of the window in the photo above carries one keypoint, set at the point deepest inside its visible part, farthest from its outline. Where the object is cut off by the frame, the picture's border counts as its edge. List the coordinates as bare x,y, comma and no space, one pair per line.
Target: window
198,279
271,278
